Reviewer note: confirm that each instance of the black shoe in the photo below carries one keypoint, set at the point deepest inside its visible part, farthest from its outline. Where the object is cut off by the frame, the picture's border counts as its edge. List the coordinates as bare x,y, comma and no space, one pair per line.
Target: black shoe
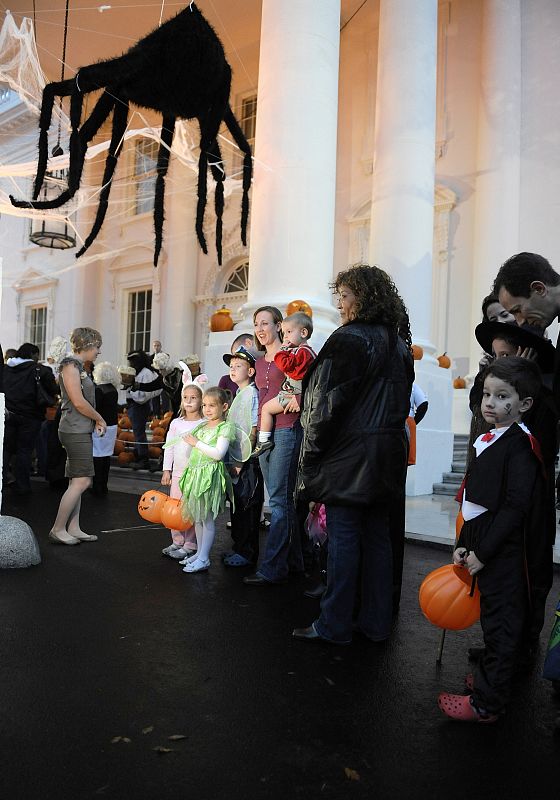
258,580
262,447
317,592
307,634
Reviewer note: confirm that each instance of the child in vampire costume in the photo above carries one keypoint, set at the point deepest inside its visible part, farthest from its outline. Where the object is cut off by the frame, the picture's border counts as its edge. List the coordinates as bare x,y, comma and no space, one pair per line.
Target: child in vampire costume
496,496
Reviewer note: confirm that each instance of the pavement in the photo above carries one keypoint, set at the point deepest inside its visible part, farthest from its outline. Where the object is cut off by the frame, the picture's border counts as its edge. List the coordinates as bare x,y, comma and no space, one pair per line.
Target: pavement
110,653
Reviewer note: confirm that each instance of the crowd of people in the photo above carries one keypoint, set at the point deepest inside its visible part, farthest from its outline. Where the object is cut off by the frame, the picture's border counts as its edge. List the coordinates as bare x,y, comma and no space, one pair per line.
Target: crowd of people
326,435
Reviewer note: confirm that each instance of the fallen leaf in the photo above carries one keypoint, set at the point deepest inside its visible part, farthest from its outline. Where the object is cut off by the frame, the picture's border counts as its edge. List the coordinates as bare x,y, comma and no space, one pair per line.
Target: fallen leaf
351,774
116,739
162,750
149,729
126,740
176,737
328,680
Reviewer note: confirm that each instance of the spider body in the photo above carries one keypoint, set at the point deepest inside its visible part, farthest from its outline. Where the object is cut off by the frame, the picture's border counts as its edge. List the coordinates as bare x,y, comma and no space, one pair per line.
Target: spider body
179,70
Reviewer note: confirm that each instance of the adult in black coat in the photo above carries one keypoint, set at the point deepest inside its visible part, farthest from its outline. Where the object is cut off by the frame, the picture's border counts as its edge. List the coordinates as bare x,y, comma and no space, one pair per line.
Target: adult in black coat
24,411
356,397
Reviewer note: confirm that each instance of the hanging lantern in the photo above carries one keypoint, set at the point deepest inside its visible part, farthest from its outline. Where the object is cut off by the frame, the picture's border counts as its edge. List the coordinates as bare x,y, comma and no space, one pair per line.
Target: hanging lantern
52,232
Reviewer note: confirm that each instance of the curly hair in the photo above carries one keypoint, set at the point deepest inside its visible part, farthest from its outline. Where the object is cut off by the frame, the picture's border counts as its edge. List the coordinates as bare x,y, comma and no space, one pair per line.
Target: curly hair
84,338
105,372
377,299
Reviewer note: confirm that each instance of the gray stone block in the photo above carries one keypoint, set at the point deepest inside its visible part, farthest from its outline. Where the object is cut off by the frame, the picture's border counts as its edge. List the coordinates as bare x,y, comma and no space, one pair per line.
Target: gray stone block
18,545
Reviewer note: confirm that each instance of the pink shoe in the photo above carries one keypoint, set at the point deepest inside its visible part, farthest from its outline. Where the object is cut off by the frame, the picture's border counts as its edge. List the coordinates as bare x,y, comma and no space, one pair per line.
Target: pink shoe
461,708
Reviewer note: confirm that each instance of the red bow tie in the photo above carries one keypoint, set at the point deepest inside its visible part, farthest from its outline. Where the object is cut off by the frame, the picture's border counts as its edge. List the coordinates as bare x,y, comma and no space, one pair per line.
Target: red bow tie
488,437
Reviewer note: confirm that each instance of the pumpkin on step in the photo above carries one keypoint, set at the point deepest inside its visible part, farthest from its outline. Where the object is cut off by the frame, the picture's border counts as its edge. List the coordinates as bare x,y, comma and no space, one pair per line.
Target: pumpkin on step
299,305
459,383
417,352
125,458
444,361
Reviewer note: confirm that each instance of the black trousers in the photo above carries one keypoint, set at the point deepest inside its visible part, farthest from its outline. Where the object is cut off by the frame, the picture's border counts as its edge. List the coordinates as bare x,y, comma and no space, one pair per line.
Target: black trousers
101,465
20,435
503,617
245,520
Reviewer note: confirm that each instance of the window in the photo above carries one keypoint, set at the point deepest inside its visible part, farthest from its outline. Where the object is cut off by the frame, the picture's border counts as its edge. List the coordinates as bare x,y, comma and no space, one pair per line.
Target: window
145,160
249,118
238,281
139,321
36,328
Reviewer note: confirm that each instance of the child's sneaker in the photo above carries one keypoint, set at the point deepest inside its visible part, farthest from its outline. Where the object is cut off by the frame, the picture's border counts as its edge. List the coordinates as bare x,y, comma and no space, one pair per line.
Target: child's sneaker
168,550
262,447
179,553
197,566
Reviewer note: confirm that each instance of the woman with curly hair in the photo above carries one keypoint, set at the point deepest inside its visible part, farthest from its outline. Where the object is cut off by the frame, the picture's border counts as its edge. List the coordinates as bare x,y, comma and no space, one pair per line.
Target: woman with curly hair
354,452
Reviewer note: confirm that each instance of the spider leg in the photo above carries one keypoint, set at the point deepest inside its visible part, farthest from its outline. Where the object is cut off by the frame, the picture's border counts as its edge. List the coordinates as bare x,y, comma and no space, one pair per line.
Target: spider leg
120,117
245,147
78,146
167,131
209,127
219,174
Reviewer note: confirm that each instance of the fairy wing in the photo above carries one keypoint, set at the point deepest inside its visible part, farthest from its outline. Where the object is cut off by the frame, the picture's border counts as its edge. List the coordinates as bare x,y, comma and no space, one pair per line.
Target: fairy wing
240,415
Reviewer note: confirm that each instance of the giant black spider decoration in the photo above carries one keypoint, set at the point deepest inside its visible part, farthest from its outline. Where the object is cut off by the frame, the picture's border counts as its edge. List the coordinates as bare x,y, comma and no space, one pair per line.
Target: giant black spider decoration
180,70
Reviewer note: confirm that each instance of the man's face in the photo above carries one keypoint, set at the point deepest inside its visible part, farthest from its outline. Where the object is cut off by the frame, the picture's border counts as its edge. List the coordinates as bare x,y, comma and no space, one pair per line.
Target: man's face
157,346
539,309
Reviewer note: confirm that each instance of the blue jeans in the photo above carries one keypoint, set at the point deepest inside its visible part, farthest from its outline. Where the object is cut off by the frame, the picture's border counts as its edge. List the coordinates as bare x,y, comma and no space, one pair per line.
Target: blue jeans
279,468
359,539
139,413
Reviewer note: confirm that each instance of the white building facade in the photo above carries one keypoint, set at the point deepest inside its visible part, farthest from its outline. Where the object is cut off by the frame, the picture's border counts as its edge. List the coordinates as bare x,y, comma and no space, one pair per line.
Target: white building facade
421,136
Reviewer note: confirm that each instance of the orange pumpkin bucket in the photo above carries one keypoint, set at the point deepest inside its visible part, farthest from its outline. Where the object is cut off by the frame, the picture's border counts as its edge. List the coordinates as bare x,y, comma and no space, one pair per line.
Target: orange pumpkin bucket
172,517
151,504
446,600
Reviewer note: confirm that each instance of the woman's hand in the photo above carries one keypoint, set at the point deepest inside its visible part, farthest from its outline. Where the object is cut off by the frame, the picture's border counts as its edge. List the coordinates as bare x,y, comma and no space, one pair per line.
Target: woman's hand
473,564
100,427
190,439
292,407
166,478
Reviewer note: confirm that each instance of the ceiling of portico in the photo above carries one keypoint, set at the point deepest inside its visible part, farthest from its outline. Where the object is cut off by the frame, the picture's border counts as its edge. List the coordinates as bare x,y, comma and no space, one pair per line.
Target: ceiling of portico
95,35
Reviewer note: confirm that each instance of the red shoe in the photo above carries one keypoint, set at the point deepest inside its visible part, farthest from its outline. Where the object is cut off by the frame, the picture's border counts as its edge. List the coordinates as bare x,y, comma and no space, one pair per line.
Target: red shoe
469,681
461,708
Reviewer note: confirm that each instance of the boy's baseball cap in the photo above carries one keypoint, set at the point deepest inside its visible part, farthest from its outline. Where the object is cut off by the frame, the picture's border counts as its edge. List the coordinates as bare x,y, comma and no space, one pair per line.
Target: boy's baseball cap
243,353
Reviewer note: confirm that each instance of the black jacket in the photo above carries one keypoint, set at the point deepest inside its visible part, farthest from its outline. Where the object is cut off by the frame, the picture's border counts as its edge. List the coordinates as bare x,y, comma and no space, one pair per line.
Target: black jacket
107,402
21,391
502,479
355,400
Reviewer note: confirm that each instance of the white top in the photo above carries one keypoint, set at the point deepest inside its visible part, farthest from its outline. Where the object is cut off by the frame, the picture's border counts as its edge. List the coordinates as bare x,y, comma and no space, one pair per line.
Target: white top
144,376
417,397
175,458
473,510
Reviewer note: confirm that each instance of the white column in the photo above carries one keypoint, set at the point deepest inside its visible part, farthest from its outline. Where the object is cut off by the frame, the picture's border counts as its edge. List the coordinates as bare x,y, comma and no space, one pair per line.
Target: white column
496,235
293,195
402,215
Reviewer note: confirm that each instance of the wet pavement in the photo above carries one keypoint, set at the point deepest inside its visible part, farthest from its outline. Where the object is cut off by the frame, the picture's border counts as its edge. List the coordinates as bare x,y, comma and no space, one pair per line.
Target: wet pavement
110,639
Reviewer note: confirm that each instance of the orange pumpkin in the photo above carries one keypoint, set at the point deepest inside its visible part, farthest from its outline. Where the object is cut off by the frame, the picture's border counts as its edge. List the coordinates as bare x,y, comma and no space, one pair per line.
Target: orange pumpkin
168,415
298,305
221,320
172,517
126,436
445,598
125,458
119,447
151,504
417,352
157,437
158,431
154,452
124,422
155,423
459,383
444,361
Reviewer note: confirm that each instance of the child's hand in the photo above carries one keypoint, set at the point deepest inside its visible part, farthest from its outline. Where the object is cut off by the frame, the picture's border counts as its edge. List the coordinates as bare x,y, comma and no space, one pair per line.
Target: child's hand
459,556
312,505
473,564
292,406
234,471
190,439
166,478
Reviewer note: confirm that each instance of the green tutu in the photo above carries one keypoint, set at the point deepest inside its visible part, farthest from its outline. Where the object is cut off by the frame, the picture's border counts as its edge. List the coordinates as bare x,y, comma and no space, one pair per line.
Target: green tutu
205,484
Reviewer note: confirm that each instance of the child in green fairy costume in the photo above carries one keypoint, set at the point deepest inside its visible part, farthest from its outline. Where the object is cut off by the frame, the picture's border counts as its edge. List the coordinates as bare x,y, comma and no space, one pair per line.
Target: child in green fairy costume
206,483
